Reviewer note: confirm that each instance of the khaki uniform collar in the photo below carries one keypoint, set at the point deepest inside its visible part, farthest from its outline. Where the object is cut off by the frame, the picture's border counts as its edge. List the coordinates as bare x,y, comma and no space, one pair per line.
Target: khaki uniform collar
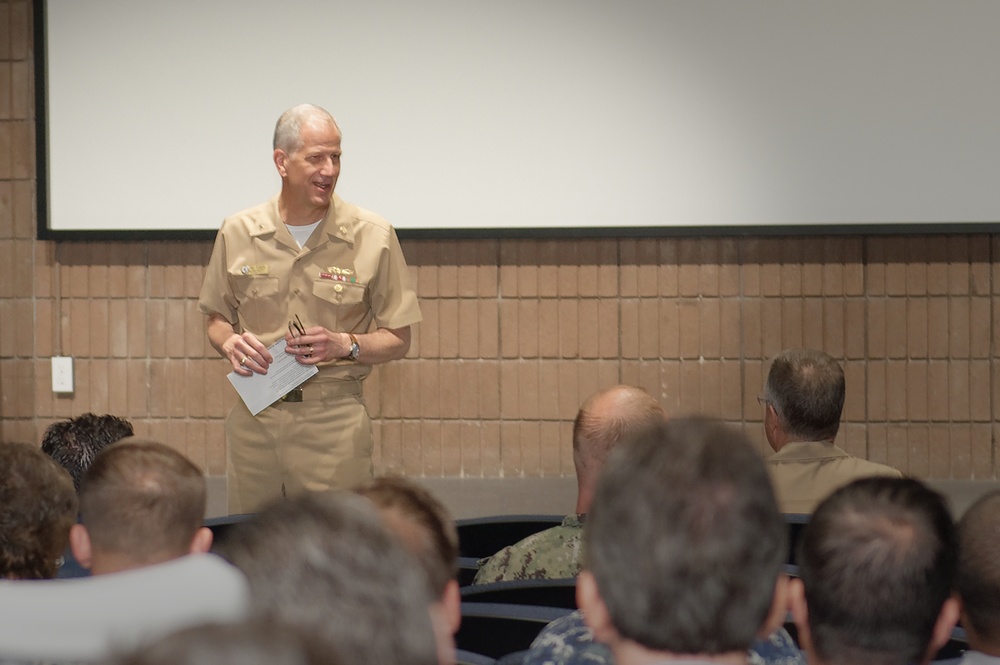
337,224
808,450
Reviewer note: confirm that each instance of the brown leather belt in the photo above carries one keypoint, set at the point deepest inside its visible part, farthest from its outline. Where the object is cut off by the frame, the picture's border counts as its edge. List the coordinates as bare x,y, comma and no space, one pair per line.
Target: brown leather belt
327,390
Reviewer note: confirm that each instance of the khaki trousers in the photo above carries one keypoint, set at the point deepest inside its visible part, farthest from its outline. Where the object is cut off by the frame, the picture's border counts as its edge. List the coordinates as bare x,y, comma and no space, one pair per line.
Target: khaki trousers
323,442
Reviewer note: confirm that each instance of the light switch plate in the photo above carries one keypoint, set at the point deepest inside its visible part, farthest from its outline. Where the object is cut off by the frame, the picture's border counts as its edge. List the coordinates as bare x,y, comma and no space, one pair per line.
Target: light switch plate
62,374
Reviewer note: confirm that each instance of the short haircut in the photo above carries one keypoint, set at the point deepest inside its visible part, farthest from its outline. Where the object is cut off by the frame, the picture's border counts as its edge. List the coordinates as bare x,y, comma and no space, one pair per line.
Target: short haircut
253,642
74,443
684,538
877,561
143,500
806,389
325,561
597,432
288,129
37,508
978,581
423,524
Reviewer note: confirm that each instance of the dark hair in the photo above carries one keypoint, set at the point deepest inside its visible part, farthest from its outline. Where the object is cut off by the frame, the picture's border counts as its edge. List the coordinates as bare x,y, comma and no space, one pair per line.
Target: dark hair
75,443
806,389
253,642
425,527
978,581
37,508
877,560
326,562
685,540
142,499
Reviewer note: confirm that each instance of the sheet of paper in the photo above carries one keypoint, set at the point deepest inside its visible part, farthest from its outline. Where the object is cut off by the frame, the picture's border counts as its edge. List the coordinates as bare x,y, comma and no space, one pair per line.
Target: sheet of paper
260,391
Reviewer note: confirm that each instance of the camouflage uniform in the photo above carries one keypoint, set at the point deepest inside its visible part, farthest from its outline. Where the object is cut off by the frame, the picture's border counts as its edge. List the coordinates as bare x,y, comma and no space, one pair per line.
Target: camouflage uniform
568,641
550,554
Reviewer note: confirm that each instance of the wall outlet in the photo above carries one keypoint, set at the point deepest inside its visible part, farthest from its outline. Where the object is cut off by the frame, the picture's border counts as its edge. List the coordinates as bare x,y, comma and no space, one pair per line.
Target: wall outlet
62,374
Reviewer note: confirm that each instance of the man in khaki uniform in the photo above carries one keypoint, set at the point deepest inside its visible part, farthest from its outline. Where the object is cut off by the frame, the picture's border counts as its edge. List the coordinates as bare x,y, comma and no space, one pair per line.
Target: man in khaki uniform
328,276
803,400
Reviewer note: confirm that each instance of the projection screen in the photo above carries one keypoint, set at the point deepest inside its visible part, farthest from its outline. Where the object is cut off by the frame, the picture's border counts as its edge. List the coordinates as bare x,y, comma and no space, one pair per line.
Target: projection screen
520,116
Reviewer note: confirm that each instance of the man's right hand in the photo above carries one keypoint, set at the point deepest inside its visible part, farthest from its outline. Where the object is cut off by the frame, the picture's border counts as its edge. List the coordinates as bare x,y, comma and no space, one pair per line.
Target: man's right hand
247,354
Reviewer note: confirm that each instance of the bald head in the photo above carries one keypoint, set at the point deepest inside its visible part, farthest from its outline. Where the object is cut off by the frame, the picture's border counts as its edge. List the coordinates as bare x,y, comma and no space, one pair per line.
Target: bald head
603,421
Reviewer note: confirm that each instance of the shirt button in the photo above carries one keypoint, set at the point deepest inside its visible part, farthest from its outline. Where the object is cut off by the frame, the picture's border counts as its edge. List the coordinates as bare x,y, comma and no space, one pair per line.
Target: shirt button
338,288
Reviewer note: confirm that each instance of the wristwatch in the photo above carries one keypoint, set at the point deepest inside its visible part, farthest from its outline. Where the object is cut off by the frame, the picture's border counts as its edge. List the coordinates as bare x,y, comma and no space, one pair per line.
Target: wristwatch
355,349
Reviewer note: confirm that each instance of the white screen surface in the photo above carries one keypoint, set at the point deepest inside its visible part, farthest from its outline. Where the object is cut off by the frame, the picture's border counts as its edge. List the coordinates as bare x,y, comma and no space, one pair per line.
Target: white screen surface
563,114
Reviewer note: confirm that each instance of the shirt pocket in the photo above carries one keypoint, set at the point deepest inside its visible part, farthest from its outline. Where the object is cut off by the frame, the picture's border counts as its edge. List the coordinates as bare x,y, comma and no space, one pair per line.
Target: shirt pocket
259,302
343,305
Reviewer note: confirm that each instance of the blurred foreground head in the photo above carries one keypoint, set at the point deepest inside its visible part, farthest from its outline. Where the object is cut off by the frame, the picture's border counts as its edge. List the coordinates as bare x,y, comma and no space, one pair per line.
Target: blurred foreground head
326,562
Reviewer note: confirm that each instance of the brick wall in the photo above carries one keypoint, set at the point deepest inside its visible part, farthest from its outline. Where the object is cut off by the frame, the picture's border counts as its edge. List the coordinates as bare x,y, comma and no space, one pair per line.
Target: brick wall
517,332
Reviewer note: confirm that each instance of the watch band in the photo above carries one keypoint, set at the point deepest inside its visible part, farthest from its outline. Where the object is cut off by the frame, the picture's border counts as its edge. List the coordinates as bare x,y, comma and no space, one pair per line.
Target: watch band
355,348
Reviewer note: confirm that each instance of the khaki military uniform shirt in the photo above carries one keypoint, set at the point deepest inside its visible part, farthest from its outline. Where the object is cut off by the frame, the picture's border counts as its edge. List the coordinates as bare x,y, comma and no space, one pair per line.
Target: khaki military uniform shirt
350,276
805,473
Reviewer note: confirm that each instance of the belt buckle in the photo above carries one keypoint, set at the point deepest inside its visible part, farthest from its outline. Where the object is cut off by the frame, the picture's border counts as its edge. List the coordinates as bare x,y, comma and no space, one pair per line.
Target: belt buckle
293,396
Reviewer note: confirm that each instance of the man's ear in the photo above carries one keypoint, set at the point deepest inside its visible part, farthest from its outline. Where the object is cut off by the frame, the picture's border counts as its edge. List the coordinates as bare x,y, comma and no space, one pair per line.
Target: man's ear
202,541
79,543
947,618
800,612
595,612
452,601
779,607
280,157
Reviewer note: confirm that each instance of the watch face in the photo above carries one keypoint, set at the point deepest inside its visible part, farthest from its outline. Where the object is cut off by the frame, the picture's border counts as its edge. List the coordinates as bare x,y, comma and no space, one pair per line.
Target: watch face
355,351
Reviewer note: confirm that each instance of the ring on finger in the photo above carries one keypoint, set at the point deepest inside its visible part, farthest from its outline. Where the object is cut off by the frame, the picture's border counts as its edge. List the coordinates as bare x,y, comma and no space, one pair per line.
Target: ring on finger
244,360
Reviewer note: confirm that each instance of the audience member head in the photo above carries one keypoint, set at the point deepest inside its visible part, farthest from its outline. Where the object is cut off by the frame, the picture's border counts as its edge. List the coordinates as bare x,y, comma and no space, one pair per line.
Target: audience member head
604,420
74,443
684,545
37,508
877,563
427,530
141,502
325,561
804,397
978,582
253,642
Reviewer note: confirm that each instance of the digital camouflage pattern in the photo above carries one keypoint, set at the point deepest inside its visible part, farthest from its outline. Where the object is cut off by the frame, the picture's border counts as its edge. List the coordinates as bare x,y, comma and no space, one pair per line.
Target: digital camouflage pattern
568,641
550,554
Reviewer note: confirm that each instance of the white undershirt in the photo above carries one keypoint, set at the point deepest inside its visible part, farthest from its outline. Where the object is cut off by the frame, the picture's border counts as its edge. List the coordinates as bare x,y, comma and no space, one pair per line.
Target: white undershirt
302,233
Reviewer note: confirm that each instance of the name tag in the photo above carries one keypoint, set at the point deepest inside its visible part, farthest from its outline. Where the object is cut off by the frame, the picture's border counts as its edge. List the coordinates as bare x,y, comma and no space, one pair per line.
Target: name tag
253,271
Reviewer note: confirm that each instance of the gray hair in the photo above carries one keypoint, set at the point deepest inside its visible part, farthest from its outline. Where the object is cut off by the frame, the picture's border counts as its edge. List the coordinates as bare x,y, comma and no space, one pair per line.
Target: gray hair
288,129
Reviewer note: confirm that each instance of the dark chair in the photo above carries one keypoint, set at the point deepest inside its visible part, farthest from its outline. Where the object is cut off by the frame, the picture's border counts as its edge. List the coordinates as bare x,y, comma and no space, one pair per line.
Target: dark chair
480,537
469,658
796,523
543,593
468,566
498,629
221,526
515,658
